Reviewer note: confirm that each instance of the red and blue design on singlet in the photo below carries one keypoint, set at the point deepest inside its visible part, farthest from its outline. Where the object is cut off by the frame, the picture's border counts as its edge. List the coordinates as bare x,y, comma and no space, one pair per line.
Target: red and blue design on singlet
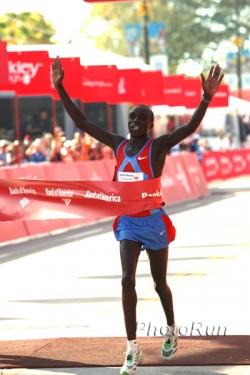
134,168
153,229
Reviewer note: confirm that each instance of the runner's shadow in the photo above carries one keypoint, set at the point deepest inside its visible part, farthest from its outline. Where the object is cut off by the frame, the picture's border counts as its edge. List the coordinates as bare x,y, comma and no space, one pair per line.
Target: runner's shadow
19,361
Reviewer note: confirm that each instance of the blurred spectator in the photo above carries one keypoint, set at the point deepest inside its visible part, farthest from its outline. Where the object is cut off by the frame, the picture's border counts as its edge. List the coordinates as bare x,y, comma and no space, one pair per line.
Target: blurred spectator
185,145
227,142
57,144
77,148
78,144
35,152
27,141
246,123
47,145
5,156
68,154
107,153
175,150
242,130
87,148
95,151
55,147
195,147
16,151
224,142
218,141
204,145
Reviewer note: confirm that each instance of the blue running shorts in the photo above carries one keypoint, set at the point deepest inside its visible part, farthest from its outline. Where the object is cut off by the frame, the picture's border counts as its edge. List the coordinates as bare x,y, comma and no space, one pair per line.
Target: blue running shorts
154,231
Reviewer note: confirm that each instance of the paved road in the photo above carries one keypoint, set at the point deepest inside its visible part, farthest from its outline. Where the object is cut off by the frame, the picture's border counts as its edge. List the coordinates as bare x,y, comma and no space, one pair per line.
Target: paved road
211,370
69,284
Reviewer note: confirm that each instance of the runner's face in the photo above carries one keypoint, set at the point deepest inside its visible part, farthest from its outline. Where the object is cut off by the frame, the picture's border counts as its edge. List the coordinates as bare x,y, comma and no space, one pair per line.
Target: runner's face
139,121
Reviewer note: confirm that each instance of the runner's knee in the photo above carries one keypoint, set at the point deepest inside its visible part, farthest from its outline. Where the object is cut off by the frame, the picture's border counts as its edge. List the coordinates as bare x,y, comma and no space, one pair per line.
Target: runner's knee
128,282
160,286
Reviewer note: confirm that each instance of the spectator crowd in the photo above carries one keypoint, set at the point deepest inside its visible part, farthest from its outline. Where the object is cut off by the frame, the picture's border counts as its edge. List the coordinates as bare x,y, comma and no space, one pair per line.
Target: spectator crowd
53,148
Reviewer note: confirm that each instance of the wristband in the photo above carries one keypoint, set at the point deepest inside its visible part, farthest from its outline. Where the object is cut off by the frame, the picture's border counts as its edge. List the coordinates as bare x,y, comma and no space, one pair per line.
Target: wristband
205,100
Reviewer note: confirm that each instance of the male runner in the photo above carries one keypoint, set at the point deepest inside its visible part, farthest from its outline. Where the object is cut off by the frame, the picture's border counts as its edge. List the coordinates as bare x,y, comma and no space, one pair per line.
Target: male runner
140,158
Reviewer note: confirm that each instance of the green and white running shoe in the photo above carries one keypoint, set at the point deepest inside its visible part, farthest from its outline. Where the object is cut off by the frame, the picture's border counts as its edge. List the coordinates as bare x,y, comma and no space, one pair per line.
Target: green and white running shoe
170,343
132,360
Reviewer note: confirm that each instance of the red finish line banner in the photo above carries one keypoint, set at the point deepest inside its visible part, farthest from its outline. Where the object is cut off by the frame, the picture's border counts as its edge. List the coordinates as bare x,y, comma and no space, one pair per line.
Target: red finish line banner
44,200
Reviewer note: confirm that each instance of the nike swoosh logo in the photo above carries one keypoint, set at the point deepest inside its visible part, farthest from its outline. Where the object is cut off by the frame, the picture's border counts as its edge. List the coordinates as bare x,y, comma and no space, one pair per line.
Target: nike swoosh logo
162,232
142,157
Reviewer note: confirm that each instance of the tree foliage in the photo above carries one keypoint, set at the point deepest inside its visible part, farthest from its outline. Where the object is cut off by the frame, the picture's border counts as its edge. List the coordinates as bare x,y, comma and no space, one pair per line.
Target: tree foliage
25,28
191,26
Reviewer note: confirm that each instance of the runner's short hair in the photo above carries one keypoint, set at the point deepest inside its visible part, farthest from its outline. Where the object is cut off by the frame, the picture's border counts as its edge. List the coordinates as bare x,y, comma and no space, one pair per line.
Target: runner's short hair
149,109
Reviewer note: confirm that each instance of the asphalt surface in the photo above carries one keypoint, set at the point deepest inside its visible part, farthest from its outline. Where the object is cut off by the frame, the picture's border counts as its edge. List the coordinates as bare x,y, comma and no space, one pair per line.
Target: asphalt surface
217,225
